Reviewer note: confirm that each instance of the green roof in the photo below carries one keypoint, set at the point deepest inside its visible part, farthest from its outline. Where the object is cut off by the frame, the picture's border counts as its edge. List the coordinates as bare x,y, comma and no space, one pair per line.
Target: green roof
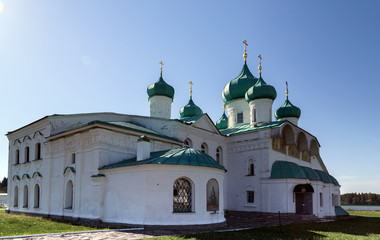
287,110
238,87
191,120
245,128
339,211
284,169
177,156
260,90
127,125
190,110
222,123
160,88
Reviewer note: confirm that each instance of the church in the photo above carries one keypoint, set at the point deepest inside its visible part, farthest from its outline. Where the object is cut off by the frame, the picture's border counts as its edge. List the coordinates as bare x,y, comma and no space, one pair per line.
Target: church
159,170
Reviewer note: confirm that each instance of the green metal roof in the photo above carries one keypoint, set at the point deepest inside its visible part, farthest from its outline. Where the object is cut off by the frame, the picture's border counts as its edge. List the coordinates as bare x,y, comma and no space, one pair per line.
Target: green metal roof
287,110
36,173
190,110
176,156
191,120
160,88
284,169
339,211
239,86
222,123
72,169
245,128
127,125
260,90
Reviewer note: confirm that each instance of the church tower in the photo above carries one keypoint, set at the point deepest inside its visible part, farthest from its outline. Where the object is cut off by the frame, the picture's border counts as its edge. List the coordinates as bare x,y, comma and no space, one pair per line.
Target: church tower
234,94
160,98
190,109
288,111
260,98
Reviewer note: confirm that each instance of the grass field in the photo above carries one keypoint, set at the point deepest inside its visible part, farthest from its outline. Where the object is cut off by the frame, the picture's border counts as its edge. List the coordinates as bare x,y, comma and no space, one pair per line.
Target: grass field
365,226
13,225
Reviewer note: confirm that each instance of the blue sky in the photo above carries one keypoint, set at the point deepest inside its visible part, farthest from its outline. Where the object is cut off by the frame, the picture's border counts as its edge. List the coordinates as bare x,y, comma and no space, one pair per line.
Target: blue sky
99,56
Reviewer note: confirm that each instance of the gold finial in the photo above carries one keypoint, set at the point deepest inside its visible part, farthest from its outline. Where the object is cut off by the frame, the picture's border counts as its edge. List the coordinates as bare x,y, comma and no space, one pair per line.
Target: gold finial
161,63
191,88
224,107
286,92
260,64
245,50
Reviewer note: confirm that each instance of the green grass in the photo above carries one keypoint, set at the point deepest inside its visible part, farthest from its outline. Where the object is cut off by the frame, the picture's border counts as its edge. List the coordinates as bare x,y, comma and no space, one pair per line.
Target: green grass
365,226
14,225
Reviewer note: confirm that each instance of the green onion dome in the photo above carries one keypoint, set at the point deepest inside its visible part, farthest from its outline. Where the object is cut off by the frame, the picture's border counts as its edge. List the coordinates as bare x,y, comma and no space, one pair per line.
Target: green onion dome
222,123
190,110
287,110
260,90
238,87
160,88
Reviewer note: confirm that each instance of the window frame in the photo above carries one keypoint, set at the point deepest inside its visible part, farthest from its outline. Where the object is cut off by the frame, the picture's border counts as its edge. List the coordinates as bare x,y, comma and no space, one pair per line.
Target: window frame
240,117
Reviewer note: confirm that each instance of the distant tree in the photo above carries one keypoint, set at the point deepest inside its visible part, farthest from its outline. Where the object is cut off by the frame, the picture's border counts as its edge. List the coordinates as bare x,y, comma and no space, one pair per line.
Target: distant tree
3,185
361,198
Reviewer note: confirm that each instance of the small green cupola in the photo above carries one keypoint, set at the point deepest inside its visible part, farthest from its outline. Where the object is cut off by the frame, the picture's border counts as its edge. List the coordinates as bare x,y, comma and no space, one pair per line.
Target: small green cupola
288,110
190,109
222,123
237,88
260,90
160,88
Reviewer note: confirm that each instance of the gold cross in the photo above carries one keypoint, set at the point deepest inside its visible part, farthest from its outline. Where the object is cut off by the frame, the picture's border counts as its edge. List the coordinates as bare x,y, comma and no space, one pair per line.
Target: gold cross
286,92
245,49
191,88
161,63
260,64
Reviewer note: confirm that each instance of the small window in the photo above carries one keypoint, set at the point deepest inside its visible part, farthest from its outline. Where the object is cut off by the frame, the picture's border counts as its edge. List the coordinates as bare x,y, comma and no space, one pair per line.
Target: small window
26,155
251,170
73,158
15,199
69,195
188,142
219,155
254,115
36,196
240,118
38,151
26,199
204,148
182,196
321,199
17,157
250,196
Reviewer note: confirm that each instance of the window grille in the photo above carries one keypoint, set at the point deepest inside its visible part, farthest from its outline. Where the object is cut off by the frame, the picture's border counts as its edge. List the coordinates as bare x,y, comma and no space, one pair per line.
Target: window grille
182,196
250,196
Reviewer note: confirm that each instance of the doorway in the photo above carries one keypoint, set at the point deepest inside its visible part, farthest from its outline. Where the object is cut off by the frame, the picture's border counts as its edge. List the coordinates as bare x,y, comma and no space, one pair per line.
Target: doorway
304,199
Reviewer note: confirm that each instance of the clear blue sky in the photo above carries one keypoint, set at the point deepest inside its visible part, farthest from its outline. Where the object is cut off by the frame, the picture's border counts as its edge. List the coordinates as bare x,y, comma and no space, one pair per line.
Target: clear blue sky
99,56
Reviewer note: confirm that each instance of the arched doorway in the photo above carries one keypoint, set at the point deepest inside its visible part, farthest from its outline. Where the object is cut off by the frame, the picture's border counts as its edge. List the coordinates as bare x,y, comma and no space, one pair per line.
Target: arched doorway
304,199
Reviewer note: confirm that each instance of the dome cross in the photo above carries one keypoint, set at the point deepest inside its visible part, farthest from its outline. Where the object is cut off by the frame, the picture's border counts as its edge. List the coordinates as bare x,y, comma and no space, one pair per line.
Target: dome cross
245,50
191,88
287,92
161,63
260,58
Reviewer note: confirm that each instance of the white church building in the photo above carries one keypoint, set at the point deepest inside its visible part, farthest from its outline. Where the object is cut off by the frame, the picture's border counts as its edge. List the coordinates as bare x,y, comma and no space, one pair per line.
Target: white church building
159,170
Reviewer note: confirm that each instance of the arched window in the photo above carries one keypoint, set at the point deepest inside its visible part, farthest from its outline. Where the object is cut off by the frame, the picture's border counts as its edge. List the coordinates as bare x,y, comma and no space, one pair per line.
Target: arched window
188,142
37,151
250,168
17,157
219,155
36,196
204,148
26,155
73,158
212,193
69,195
26,199
239,118
15,199
182,196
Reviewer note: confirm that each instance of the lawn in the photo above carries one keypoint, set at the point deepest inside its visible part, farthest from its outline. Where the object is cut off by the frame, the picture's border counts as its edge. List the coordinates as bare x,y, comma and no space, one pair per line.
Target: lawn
13,225
365,226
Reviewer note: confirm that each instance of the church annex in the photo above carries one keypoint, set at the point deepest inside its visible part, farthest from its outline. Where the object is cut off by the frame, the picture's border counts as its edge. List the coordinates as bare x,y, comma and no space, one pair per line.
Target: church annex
158,170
